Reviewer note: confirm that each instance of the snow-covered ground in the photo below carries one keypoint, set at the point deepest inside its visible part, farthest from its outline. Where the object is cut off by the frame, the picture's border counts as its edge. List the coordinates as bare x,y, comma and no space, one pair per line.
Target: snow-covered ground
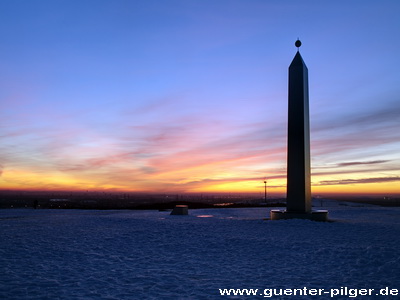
87,254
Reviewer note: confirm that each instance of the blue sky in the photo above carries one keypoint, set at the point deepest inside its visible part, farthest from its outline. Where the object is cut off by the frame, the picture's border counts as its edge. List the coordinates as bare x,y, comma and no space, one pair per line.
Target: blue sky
192,95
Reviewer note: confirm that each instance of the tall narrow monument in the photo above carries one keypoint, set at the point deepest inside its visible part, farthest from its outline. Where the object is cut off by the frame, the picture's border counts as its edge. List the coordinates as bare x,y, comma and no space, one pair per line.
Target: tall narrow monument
298,195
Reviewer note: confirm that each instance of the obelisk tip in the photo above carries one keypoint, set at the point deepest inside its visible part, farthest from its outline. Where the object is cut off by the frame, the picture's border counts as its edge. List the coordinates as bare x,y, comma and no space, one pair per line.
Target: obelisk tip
297,44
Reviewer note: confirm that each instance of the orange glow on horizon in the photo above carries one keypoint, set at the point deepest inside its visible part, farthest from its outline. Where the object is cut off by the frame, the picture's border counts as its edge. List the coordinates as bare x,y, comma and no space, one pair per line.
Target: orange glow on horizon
27,180
242,174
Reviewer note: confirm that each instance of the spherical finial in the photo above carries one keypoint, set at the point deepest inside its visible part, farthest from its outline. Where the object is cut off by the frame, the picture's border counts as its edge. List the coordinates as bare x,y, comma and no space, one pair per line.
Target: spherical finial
298,43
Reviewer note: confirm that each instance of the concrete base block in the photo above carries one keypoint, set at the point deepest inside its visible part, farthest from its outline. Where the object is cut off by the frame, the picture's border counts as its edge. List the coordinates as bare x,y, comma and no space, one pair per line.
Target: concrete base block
180,210
315,215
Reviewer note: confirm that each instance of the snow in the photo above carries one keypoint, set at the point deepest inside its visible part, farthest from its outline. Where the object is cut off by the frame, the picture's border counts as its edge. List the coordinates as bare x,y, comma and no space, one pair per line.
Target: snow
89,254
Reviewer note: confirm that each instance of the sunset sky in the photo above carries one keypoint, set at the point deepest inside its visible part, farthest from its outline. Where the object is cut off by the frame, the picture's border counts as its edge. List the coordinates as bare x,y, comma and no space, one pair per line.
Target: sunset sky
191,96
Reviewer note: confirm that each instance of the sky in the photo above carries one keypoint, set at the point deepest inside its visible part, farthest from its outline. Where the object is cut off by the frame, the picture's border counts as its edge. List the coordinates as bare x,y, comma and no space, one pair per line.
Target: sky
183,96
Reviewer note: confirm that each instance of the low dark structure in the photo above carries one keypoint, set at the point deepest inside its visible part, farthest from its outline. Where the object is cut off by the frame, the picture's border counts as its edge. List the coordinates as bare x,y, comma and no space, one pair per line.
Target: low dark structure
180,210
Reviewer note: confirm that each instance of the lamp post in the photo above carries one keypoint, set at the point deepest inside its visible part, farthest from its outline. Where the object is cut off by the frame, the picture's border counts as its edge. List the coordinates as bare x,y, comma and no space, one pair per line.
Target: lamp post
265,190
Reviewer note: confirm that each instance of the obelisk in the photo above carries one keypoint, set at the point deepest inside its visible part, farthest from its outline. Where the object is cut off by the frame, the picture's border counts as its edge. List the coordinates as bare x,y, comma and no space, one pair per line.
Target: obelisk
298,192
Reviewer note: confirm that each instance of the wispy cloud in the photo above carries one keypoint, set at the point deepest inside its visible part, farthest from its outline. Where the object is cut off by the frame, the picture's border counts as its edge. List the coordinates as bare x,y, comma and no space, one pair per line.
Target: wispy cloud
355,129
358,181
356,163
